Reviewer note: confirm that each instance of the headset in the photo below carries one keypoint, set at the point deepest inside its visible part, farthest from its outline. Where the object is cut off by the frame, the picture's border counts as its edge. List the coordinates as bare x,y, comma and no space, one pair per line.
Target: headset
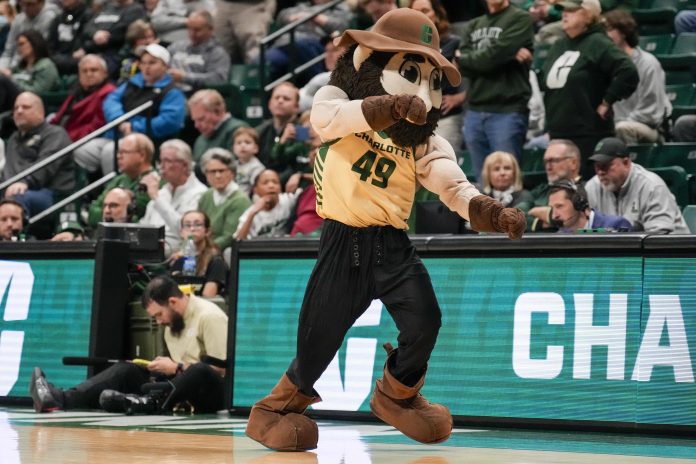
25,213
132,208
578,197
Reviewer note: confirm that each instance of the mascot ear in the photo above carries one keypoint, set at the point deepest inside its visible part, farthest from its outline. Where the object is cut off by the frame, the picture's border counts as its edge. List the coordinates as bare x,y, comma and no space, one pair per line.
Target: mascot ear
360,55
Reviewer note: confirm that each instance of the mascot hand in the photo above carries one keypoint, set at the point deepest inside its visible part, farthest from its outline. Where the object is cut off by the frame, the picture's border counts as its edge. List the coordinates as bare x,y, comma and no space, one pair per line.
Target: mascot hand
489,215
384,111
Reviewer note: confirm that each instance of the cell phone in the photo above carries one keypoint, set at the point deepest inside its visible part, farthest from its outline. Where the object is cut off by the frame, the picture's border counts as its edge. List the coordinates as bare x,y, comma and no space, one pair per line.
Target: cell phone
301,133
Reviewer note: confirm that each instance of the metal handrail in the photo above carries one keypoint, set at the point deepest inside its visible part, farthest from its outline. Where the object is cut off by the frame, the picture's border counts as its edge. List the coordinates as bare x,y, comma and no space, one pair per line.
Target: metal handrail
64,151
71,198
290,28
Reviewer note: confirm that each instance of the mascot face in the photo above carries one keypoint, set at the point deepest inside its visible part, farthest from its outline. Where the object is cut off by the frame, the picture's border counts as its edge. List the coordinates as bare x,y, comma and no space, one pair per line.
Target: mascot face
414,74
400,55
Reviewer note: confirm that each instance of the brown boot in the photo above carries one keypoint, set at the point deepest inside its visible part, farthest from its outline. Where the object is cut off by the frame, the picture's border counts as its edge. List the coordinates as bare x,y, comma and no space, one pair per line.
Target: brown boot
278,421
407,410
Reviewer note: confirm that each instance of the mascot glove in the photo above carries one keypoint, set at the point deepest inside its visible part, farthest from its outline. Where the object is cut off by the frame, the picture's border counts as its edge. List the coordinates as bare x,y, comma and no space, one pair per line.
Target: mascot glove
383,111
489,215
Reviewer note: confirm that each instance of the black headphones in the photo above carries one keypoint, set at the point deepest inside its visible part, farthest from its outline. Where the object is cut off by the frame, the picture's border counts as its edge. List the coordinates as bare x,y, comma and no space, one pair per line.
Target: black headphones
132,208
578,196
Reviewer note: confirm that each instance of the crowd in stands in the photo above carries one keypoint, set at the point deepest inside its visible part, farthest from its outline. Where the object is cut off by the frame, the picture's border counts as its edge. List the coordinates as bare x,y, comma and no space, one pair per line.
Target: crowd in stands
194,162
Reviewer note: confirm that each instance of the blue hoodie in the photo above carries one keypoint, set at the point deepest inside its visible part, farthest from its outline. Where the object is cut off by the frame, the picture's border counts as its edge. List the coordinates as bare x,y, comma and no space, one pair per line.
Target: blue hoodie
166,123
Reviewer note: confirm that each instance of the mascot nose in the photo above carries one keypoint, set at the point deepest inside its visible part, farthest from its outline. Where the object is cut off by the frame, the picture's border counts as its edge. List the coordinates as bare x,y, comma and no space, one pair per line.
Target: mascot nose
424,94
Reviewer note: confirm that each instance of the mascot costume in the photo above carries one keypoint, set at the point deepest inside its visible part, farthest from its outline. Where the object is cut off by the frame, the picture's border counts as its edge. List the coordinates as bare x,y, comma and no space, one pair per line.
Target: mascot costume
376,119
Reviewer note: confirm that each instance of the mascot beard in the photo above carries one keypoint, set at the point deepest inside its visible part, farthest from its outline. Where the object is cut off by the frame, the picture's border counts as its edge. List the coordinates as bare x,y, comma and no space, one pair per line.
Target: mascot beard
367,82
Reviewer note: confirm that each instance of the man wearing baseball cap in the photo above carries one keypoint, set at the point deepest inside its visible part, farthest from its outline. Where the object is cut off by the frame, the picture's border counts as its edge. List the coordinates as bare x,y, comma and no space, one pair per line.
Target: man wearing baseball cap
623,188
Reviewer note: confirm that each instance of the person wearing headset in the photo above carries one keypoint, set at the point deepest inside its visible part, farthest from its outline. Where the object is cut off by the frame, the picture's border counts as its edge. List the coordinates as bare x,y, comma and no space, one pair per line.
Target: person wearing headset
571,210
119,206
13,220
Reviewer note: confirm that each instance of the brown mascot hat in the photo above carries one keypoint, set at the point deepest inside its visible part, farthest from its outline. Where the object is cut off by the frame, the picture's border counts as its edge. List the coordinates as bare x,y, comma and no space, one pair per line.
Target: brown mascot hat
403,30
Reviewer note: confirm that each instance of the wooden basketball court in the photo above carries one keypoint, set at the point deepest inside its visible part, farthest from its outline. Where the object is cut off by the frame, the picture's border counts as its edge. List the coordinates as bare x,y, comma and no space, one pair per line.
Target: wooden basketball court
94,437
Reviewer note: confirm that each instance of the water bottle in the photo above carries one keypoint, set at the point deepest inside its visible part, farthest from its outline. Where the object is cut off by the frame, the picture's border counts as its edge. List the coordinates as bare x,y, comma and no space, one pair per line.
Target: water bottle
189,268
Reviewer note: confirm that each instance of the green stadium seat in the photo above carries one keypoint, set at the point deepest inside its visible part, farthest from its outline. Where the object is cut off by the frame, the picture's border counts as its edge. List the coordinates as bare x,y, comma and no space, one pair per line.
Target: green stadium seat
677,180
675,154
656,16
641,153
689,214
246,85
533,178
682,57
683,99
657,44
464,162
532,160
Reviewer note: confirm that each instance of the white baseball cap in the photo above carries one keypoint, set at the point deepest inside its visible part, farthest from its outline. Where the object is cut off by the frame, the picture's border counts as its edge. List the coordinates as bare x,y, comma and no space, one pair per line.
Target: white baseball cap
158,52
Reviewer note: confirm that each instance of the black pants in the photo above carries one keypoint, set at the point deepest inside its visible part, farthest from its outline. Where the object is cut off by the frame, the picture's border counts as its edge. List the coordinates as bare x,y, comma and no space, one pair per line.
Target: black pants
199,384
354,267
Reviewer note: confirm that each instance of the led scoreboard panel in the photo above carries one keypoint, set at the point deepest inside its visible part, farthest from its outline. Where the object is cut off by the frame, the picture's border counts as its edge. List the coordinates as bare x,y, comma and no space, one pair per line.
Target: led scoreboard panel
45,314
584,337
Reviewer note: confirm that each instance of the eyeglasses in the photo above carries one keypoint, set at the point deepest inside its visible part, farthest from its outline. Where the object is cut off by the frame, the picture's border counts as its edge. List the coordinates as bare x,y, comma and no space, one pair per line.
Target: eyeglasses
125,150
555,160
163,161
193,225
215,172
111,205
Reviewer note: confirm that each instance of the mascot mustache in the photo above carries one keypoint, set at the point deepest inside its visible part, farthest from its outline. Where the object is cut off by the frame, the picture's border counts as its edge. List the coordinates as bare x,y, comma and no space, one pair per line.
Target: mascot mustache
366,82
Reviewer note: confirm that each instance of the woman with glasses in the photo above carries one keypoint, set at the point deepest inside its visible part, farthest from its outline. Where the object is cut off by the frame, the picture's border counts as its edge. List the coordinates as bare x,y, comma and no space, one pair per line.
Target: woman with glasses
224,202
35,71
209,263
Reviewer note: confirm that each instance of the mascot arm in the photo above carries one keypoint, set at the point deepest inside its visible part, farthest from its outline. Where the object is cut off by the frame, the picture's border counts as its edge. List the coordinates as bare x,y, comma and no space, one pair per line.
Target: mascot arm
437,170
334,115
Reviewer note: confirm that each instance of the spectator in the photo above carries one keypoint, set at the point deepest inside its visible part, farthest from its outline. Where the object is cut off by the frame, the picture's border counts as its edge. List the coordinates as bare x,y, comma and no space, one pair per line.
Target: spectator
284,106
305,220
210,117
572,212
290,153
375,9
561,161
209,263
684,129
639,117
495,56
169,17
685,21
199,60
452,108
164,118
139,35
502,180
623,188
119,206
246,148
193,327
37,15
332,53
7,15
134,160
181,192
105,33
65,35
224,202
240,26
81,112
584,75
285,55
12,220
35,71
269,214
34,141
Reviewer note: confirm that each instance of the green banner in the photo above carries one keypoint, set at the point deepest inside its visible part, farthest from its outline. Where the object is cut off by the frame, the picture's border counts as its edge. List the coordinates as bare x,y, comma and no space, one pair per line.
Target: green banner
46,311
546,338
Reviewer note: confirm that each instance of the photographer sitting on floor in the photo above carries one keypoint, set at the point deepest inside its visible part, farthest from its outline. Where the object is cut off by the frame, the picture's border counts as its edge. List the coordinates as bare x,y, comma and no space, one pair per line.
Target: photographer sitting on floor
194,329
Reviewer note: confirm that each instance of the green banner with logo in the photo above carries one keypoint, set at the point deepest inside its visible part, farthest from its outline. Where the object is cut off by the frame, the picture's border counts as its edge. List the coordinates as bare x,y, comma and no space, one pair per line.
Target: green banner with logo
546,338
45,314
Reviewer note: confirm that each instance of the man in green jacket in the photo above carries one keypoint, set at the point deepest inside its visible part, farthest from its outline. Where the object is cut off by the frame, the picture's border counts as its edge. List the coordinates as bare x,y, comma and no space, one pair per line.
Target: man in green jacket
496,54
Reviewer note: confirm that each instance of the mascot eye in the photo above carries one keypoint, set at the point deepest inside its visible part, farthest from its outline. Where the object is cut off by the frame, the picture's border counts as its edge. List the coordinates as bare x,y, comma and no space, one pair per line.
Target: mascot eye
436,80
410,71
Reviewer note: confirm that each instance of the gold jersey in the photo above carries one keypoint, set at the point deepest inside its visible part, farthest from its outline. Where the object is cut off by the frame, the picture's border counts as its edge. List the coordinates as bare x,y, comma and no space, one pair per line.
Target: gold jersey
364,179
